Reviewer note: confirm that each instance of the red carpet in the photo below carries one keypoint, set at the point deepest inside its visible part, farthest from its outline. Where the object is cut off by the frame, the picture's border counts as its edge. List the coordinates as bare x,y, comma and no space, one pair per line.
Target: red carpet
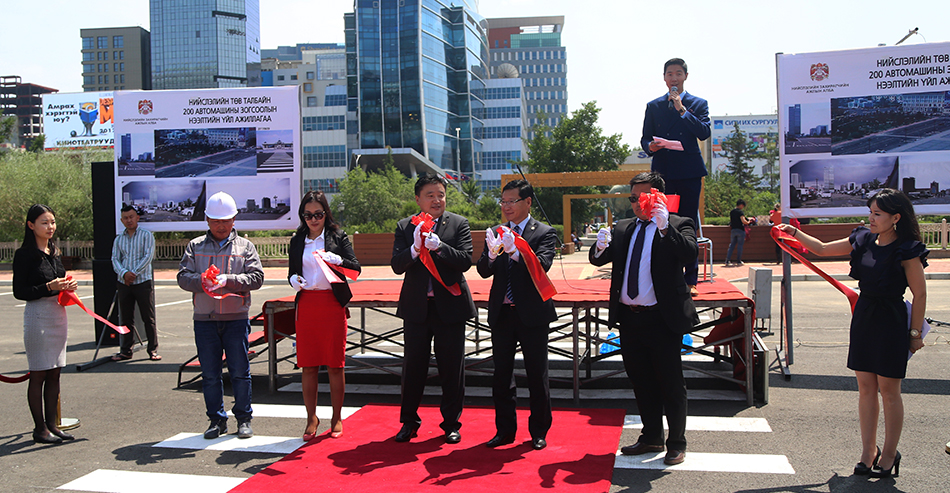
579,456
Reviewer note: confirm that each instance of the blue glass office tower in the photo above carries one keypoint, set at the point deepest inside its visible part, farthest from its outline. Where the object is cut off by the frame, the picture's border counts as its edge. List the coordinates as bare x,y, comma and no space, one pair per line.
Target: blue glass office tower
205,43
415,74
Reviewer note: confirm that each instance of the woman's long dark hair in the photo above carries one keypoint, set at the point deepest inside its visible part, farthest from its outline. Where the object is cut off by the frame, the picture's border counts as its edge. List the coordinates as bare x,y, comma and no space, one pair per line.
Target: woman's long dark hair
896,202
29,237
315,196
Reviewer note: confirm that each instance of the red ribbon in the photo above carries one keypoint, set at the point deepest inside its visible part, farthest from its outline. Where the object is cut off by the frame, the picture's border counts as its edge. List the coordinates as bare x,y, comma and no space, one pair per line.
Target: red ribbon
210,277
649,200
424,220
67,298
330,271
21,378
795,248
540,278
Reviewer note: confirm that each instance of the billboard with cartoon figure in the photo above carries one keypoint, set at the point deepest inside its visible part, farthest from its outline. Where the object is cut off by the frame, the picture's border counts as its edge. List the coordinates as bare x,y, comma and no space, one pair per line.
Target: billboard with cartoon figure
81,120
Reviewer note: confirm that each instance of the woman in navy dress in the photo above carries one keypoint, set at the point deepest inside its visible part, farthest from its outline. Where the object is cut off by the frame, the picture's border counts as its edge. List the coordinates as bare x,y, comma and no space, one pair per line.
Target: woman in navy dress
886,258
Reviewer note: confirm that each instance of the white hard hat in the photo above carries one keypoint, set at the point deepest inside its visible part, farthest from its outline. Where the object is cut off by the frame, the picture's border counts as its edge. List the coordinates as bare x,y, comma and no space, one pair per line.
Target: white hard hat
220,206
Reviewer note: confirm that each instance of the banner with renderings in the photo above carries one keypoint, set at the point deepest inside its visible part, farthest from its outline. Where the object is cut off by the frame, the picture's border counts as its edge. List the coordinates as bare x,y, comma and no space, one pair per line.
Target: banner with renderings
174,149
80,120
853,122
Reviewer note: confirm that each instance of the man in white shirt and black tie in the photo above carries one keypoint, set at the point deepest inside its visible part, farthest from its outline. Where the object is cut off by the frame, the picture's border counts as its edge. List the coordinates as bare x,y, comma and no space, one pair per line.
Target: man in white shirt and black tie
651,303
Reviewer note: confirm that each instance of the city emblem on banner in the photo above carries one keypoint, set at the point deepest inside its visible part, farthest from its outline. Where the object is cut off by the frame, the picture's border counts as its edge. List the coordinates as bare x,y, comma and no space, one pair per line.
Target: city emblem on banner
819,71
145,106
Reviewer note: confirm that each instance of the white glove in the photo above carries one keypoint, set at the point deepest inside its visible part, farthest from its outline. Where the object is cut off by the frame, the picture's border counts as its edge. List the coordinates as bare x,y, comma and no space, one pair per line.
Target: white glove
492,243
661,216
331,258
298,282
416,241
508,240
433,242
219,283
603,238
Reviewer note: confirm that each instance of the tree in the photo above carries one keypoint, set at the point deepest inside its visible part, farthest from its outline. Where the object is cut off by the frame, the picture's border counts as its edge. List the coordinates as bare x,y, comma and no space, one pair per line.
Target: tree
37,144
373,202
772,167
472,190
61,180
736,148
576,144
7,130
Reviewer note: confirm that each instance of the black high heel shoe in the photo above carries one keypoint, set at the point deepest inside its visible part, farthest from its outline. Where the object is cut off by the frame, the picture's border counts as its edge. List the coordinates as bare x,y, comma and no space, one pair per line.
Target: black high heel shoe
46,438
863,470
62,434
878,472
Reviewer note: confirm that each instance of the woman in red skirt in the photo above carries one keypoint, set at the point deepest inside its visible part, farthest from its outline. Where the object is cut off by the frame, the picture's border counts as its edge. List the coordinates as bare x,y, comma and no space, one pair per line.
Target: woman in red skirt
321,316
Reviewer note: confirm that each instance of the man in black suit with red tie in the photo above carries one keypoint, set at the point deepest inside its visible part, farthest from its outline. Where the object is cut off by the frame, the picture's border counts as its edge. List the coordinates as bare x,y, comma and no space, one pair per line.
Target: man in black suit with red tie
429,311
517,313
650,301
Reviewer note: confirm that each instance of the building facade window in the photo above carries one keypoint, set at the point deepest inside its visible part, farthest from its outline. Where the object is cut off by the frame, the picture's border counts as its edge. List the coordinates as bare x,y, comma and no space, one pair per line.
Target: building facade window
88,79
293,77
334,100
311,102
331,122
324,185
308,87
118,42
310,75
88,43
88,57
492,160
102,42
280,77
324,156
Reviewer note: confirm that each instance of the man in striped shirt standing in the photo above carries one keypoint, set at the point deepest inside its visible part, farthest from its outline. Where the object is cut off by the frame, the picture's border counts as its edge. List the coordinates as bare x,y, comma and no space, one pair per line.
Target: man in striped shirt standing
132,254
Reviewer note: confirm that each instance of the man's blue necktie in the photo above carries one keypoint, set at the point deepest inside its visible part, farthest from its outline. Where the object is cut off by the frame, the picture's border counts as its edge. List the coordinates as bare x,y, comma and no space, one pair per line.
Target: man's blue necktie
510,292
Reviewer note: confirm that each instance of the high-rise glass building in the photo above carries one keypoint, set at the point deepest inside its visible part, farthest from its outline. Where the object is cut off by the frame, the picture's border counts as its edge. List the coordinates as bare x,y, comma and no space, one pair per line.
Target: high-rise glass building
416,72
205,43
533,46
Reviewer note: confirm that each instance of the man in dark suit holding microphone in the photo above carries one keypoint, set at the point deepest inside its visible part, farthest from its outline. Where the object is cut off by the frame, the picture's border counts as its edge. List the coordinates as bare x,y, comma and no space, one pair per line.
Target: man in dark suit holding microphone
680,117
434,303
517,312
650,301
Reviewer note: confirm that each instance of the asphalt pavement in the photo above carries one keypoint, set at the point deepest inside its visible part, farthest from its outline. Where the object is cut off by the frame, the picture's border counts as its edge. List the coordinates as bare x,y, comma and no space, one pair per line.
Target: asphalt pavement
128,409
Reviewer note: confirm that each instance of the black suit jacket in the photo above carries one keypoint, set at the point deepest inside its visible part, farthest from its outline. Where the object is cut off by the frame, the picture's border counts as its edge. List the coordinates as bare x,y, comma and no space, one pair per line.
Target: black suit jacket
452,259
670,254
661,121
531,309
336,242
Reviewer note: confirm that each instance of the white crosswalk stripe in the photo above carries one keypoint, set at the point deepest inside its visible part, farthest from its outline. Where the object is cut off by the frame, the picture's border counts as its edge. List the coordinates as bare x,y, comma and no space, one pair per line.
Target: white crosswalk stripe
150,482
698,461
710,462
257,443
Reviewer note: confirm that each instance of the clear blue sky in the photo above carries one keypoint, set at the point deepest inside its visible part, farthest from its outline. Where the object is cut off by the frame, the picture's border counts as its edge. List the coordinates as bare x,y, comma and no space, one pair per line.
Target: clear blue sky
616,48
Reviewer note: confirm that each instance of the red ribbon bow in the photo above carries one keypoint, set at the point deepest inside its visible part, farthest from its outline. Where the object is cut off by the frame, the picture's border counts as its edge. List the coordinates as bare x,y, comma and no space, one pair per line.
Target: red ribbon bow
210,278
795,248
424,221
540,278
649,200
330,271
67,298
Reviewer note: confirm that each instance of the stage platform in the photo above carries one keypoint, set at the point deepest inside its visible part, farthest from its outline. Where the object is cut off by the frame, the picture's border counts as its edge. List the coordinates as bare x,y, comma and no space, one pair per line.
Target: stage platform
584,326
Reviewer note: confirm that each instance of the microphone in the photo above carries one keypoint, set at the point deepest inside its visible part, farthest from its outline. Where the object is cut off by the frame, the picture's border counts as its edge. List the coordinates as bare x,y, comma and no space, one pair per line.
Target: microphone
669,103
